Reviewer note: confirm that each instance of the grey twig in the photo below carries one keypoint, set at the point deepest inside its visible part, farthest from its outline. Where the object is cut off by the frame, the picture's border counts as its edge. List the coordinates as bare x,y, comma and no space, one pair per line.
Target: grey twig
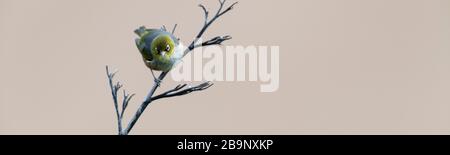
145,103
114,92
174,28
205,12
126,100
216,40
178,90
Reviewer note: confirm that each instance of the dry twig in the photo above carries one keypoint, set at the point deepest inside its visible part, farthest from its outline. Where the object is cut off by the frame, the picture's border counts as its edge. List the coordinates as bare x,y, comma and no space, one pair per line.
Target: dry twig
178,90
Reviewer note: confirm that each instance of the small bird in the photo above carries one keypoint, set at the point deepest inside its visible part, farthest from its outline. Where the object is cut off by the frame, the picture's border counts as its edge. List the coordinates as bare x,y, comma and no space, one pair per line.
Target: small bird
160,50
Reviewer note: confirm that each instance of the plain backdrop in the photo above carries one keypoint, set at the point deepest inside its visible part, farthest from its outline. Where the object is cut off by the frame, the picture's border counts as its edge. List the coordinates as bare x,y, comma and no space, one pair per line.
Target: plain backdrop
346,67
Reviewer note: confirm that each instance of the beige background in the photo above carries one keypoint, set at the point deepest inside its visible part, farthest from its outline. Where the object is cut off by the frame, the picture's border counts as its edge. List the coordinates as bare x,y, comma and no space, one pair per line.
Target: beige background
347,67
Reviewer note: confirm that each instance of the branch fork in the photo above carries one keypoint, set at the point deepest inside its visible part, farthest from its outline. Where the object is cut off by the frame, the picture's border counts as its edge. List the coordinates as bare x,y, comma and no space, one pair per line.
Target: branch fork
179,90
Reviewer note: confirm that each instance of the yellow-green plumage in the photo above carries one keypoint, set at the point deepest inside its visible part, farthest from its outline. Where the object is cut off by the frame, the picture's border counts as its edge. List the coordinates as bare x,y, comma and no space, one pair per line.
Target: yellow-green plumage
159,49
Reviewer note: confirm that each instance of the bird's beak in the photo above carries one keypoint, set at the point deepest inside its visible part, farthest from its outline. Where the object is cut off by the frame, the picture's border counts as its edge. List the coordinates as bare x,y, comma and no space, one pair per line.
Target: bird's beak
163,53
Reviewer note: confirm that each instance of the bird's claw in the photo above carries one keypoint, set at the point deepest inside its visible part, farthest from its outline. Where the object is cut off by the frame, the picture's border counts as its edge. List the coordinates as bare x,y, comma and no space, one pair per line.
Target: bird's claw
157,81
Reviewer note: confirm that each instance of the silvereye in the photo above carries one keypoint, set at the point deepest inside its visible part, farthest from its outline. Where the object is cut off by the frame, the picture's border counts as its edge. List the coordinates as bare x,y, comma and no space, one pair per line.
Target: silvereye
160,50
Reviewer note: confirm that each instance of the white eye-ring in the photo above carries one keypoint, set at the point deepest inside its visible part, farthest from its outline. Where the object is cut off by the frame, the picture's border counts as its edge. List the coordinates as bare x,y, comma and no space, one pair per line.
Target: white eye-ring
168,47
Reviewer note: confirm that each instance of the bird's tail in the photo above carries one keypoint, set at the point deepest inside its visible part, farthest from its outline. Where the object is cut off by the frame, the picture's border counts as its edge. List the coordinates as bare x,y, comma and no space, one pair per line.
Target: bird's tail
140,31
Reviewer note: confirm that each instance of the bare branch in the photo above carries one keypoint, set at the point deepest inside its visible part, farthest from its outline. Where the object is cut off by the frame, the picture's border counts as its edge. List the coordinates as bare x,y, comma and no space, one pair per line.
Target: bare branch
204,11
177,92
126,100
179,89
114,90
144,104
221,2
228,9
129,97
214,41
208,23
174,27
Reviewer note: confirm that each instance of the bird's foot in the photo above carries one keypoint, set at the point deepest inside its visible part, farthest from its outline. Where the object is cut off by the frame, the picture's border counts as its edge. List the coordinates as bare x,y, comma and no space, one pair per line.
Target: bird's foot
158,82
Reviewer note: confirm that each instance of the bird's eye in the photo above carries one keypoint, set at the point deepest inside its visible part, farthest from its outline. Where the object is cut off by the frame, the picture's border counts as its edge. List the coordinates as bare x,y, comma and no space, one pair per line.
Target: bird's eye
168,47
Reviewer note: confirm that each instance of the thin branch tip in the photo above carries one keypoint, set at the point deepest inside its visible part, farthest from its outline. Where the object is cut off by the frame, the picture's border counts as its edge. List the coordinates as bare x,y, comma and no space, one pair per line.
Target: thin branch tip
178,90
174,27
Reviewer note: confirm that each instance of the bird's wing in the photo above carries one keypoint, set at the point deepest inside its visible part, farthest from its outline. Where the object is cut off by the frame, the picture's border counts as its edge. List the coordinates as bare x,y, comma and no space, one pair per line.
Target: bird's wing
140,31
143,31
138,44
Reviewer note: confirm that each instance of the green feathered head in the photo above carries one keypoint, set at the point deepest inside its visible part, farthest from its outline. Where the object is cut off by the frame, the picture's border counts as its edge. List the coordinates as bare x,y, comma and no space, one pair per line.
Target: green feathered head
159,48
162,47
